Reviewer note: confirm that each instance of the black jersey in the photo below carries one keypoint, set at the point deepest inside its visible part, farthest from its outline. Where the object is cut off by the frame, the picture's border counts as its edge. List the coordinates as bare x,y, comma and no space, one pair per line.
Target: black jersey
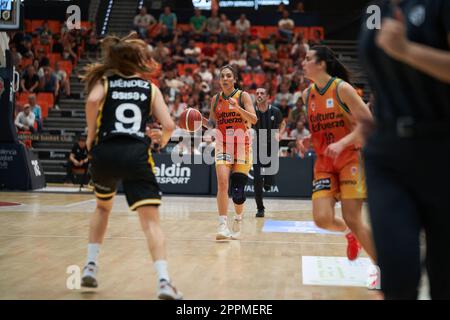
401,90
126,108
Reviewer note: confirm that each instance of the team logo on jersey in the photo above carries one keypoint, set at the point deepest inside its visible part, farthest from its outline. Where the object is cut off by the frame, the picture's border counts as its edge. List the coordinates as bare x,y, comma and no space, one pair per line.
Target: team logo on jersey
354,170
417,15
2,87
330,103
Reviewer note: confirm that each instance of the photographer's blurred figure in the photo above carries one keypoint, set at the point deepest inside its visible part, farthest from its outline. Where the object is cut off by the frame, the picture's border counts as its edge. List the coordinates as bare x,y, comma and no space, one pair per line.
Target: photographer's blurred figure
78,158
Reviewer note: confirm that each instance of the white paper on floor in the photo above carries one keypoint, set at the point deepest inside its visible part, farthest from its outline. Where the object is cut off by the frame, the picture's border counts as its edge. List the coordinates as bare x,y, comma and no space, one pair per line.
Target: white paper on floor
294,227
335,271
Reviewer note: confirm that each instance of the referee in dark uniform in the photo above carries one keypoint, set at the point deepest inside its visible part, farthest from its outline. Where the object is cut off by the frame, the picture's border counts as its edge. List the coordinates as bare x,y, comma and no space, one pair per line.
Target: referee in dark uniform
408,153
269,118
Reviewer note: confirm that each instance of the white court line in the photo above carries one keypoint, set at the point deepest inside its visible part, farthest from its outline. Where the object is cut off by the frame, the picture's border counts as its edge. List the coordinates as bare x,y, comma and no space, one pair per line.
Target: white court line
78,203
185,239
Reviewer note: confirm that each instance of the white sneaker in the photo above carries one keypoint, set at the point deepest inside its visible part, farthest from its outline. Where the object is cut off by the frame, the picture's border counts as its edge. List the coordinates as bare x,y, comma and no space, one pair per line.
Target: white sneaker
237,224
89,279
166,291
373,278
223,233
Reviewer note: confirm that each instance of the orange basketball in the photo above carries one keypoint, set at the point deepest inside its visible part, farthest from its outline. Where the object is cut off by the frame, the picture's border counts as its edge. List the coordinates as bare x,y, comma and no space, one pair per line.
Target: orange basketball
190,120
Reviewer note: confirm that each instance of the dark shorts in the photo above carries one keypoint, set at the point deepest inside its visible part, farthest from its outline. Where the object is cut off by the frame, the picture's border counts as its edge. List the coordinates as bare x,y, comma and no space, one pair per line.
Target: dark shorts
127,160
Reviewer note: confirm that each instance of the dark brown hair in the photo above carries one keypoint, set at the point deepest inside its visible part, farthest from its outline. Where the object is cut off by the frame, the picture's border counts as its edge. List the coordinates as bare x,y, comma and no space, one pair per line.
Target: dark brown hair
333,66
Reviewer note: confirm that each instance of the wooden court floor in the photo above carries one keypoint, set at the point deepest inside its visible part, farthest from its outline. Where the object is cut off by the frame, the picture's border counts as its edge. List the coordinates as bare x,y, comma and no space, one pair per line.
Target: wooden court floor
45,235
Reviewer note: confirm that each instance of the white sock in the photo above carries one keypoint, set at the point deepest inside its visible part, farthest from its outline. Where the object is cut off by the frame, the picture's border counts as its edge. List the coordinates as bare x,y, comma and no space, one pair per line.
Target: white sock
223,219
347,231
93,251
161,270
238,217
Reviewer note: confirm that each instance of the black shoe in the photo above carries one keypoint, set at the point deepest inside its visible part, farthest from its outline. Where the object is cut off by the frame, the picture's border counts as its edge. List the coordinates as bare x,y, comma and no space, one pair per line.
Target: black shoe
260,213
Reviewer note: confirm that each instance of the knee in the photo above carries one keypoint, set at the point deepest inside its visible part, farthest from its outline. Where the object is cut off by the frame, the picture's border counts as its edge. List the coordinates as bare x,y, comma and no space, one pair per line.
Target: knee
238,183
222,185
103,210
323,218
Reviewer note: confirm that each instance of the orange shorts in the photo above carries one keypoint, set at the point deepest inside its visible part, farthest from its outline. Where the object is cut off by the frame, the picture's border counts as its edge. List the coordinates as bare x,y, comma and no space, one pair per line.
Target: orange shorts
238,157
346,181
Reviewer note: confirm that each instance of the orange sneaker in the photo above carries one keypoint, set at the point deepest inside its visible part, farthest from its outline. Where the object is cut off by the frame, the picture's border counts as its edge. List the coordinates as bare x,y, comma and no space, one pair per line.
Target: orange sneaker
353,247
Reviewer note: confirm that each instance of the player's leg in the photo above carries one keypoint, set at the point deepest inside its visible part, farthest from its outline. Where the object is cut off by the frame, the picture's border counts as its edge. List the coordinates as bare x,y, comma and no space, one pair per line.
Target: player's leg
223,175
149,219
258,187
104,189
325,190
239,179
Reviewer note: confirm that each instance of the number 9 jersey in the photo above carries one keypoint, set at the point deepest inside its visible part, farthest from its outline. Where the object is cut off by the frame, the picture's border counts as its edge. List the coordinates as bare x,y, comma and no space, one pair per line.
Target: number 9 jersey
126,108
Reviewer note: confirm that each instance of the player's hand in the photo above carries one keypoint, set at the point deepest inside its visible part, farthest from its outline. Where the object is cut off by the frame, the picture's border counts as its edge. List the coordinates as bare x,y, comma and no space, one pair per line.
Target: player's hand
233,103
334,150
155,134
392,36
303,145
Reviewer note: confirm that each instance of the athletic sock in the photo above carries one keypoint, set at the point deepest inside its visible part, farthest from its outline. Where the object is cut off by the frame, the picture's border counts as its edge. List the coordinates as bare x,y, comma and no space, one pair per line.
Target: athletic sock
93,251
161,270
223,219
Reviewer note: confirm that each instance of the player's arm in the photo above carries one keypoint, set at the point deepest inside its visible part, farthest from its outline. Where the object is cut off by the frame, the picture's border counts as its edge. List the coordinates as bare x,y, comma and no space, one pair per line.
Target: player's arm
161,113
360,114
248,112
393,40
93,102
211,122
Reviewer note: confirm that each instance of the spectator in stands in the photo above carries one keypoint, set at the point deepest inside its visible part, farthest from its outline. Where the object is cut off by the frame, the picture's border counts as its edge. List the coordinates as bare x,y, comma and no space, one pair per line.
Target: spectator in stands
192,52
27,51
286,26
143,21
36,109
284,108
25,119
272,63
254,62
225,28
178,54
300,131
242,26
168,20
160,52
45,33
204,73
30,80
316,39
299,7
238,61
208,52
296,112
57,46
299,49
198,25
292,150
213,27
49,83
283,94
187,78
63,79
78,158
44,61
16,57
92,43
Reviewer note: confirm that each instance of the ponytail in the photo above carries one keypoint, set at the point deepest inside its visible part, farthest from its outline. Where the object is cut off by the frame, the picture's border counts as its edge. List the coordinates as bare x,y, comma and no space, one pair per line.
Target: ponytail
333,66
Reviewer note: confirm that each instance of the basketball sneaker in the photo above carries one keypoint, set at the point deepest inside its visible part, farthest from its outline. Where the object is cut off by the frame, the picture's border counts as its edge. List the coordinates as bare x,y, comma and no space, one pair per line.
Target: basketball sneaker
166,291
223,233
237,224
373,278
89,279
353,247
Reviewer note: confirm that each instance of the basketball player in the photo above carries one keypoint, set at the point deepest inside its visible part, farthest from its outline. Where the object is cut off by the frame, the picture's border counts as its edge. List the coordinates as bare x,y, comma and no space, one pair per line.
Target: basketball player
119,104
408,153
233,114
333,106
